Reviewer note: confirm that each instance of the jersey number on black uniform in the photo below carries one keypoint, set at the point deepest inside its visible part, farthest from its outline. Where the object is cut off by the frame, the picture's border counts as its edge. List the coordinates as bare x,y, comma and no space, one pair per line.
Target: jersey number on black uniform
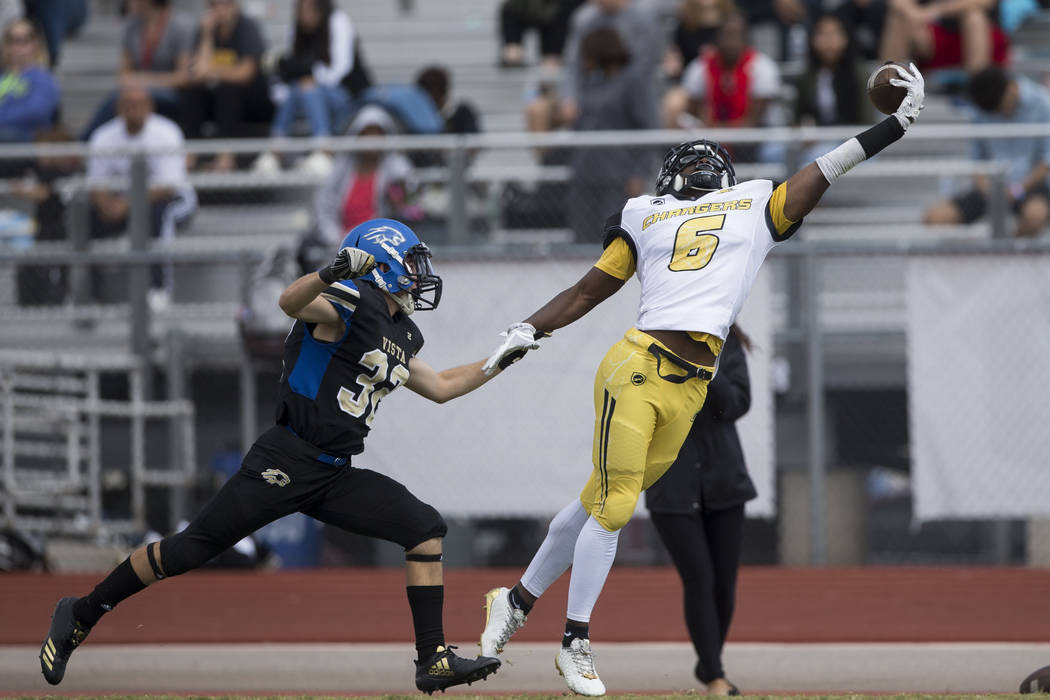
358,403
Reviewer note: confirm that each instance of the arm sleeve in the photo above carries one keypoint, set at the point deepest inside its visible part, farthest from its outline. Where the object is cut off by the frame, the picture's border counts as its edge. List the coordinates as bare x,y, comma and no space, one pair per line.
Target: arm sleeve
97,164
780,227
171,167
252,44
329,198
617,259
343,296
571,56
765,78
340,51
694,81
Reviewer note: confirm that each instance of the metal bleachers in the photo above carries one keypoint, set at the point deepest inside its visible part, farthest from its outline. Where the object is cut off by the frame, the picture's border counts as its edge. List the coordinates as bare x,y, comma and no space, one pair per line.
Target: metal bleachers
461,34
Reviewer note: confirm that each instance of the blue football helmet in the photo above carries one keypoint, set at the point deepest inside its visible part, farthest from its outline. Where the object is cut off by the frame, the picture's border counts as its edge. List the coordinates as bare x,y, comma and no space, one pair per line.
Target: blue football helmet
403,267
712,171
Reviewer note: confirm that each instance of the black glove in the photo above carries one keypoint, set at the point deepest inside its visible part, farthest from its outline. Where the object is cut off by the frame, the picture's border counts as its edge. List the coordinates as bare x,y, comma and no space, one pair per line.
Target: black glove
348,264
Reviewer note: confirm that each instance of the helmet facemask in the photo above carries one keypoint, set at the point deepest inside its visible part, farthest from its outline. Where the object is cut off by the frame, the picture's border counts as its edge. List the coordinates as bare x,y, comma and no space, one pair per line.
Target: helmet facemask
693,169
408,278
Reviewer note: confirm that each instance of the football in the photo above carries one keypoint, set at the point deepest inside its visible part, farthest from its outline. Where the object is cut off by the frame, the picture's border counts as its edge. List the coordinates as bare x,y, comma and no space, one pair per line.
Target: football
886,98
1037,681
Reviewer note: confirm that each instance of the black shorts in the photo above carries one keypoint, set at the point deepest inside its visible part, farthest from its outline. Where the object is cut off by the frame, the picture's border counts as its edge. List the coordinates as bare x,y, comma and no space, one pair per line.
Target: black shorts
281,475
973,204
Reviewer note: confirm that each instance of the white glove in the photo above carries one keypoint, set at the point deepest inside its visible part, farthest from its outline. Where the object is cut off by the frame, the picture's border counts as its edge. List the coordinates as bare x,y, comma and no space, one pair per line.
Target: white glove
348,264
517,340
914,101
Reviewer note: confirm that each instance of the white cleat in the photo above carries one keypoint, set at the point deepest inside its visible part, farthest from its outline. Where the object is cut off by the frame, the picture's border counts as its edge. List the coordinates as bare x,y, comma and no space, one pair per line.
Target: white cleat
502,620
576,664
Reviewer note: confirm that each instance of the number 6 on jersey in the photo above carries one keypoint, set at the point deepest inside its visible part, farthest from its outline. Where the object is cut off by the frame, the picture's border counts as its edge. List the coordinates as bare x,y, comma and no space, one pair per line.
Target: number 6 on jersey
693,249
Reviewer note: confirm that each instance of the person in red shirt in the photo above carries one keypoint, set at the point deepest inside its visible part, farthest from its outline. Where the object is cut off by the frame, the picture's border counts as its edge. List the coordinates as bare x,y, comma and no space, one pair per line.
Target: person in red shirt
366,184
728,84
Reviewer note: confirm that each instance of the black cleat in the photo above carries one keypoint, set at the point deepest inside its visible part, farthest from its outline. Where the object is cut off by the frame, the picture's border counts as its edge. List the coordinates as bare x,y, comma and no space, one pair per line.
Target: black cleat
444,669
65,635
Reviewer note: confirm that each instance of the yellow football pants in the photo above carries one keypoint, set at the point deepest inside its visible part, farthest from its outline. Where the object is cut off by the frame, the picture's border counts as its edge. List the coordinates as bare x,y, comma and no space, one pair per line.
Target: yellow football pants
640,424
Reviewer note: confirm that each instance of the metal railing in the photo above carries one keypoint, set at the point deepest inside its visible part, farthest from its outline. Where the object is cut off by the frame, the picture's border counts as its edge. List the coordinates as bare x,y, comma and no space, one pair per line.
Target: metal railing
53,468
802,328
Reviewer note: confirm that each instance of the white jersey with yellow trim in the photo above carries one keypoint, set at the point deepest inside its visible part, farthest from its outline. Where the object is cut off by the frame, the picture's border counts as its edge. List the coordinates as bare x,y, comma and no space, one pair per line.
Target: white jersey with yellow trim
697,259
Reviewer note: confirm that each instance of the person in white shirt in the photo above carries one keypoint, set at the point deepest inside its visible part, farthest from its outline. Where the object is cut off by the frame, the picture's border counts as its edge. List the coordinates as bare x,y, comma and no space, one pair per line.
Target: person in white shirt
311,79
172,199
696,245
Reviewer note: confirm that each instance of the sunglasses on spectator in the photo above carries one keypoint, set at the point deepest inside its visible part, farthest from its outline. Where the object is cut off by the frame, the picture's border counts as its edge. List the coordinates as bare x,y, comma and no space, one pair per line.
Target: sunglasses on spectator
20,38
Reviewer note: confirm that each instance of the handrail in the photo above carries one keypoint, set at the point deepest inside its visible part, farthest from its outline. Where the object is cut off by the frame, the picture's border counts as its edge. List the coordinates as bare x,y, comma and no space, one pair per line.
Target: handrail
554,139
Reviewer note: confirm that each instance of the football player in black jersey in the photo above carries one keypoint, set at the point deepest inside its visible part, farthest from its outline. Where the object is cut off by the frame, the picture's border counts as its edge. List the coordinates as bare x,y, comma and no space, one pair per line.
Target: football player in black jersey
352,343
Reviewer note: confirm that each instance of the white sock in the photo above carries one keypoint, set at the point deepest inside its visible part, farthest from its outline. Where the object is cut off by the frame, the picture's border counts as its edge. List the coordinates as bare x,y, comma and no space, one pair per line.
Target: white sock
591,561
555,554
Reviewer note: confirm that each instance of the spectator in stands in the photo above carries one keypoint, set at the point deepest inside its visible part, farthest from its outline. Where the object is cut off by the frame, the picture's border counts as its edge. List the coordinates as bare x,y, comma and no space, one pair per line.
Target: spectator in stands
944,34
696,23
790,17
697,507
831,89
226,83
462,118
157,46
1001,98
731,84
311,79
612,96
639,29
45,284
864,19
550,19
366,184
172,200
58,19
29,95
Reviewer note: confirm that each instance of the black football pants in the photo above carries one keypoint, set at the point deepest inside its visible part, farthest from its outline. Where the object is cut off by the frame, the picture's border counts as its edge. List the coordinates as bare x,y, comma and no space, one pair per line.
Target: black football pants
280,475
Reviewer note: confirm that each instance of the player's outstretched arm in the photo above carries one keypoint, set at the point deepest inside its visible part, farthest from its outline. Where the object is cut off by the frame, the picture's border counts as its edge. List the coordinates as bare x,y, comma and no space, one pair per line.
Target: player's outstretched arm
807,186
447,384
573,303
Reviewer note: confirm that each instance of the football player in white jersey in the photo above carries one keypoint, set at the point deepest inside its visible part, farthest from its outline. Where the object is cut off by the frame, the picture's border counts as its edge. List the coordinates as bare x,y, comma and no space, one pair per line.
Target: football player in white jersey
696,246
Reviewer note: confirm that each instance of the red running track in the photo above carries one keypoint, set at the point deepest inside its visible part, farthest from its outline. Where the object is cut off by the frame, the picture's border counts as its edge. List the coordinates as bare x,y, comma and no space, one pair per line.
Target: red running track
638,604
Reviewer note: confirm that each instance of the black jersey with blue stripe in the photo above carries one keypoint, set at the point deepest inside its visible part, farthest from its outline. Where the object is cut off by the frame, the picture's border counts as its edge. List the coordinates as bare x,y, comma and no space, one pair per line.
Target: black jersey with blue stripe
330,391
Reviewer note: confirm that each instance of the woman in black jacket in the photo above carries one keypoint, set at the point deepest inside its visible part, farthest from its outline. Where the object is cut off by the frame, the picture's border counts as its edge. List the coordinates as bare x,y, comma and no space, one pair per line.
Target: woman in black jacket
698,509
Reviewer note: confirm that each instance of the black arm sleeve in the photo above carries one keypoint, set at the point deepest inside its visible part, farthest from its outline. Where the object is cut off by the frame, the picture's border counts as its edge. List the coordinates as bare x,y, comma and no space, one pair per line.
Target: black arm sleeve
880,136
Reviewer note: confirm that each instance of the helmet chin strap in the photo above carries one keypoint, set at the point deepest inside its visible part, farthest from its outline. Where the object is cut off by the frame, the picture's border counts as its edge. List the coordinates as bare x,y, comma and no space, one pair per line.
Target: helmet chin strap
405,300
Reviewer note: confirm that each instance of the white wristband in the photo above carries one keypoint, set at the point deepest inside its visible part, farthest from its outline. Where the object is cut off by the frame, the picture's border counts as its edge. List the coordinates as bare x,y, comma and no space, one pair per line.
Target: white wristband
835,163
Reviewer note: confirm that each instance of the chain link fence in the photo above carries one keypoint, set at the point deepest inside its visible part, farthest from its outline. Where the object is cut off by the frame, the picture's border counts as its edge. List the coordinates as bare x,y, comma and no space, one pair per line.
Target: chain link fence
846,481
